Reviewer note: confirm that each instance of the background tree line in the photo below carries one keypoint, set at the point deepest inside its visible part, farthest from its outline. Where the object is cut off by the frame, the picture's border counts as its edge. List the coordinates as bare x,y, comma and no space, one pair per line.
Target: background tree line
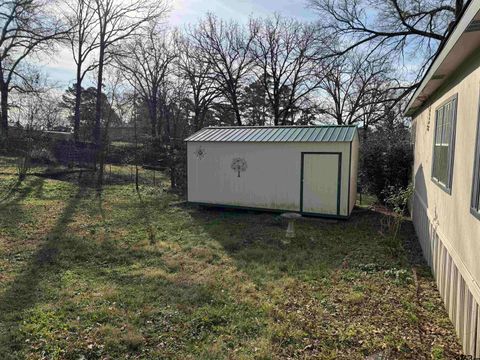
352,66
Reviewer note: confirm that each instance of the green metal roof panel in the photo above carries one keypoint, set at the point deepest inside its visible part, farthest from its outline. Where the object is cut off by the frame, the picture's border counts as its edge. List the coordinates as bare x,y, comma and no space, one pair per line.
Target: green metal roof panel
293,134
213,136
335,134
280,135
231,134
271,134
324,133
264,135
343,133
306,134
314,134
258,134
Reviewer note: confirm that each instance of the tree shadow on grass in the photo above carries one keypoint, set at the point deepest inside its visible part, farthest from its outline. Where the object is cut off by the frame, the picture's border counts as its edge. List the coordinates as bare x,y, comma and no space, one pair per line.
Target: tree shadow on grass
23,292
19,190
11,210
80,177
108,262
353,271
256,241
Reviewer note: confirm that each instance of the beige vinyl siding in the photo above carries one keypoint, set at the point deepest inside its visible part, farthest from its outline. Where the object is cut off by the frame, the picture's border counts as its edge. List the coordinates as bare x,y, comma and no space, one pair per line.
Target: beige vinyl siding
476,173
459,300
448,231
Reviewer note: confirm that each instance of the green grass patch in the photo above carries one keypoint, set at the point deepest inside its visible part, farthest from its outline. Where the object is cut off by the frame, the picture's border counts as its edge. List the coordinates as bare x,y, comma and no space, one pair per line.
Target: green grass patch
145,276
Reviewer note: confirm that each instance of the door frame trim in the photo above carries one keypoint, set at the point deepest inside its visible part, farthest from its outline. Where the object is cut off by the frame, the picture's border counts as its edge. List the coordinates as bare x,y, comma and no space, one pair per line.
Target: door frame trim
339,179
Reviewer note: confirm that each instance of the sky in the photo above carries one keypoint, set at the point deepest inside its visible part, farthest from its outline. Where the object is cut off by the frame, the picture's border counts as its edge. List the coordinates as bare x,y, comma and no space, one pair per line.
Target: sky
60,67
185,11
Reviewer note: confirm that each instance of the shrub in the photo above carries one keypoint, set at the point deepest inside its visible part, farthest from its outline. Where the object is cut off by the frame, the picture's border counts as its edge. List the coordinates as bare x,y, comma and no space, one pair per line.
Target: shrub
123,153
171,157
385,160
42,156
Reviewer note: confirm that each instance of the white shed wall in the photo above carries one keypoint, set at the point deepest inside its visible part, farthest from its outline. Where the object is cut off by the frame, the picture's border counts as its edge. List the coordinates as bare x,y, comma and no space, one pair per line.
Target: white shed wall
271,180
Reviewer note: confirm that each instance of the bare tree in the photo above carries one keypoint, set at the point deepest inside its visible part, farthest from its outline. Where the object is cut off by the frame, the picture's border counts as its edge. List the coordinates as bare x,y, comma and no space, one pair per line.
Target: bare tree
175,114
113,95
26,27
196,72
359,89
286,54
118,21
145,62
36,105
226,48
389,28
83,41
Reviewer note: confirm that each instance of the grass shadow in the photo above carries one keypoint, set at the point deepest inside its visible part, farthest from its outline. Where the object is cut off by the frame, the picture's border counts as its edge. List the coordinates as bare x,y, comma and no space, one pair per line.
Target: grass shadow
23,292
213,282
90,262
11,210
255,240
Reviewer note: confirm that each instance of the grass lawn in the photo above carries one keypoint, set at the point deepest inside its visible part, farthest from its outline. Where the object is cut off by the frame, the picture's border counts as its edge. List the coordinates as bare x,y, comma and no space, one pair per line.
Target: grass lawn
144,276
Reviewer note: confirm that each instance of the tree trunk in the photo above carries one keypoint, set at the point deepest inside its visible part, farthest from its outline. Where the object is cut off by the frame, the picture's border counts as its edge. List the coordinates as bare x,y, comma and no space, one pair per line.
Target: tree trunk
153,117
196,118
78,100
238,117
96,135
203,115
101,162
365,130
276,103
4,114
98,105
276,114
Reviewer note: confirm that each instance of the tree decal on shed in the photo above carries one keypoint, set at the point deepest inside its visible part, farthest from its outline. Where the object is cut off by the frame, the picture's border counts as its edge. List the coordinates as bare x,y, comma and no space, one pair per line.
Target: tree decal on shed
200,153
239,165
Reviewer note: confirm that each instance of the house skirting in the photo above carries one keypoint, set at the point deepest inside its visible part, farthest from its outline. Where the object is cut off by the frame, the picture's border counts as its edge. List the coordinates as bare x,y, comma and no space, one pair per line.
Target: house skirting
458,289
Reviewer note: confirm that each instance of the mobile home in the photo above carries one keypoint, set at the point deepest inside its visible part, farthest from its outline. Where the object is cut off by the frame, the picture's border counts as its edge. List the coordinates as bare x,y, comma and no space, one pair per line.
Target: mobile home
446,203
306,169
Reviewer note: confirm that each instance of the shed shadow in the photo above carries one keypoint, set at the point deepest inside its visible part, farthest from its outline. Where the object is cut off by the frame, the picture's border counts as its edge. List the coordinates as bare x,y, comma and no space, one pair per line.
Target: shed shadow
256,241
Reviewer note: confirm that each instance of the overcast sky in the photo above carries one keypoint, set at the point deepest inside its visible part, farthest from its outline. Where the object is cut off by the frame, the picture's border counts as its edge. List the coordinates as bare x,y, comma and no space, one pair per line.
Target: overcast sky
61,68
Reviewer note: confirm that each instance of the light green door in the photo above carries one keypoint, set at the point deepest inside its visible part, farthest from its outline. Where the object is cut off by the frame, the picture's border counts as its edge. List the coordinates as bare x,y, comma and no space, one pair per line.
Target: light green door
320,183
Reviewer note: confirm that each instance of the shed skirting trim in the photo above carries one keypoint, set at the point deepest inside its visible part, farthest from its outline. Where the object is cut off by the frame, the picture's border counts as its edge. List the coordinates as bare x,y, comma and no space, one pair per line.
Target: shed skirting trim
458,289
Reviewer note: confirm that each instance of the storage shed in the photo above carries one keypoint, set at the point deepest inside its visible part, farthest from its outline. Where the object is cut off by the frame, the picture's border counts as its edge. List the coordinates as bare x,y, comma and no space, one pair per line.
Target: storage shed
306,169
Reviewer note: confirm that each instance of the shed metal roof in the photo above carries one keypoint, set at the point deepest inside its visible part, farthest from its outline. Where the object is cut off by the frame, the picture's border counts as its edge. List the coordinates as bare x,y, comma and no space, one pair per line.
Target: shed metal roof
329,133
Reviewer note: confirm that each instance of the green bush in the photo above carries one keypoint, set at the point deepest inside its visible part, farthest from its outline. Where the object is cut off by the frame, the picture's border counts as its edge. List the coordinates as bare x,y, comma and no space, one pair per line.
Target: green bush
385,160
123,153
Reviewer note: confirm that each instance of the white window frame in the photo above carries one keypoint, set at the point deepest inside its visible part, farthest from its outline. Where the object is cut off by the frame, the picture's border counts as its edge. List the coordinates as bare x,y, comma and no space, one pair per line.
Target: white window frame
475,203
453,100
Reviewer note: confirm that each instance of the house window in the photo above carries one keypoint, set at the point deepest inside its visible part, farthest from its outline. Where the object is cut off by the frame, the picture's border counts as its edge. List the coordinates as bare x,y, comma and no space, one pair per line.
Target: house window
476,175
443,147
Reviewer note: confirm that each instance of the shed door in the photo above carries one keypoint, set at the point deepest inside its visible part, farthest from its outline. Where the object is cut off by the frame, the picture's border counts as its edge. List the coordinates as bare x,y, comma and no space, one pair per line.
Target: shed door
321,176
